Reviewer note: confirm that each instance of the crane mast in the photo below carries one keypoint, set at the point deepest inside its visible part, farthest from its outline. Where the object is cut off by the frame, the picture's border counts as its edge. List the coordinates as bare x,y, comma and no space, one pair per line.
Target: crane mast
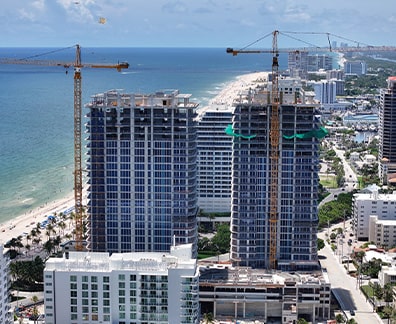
77,152
274,152
274,145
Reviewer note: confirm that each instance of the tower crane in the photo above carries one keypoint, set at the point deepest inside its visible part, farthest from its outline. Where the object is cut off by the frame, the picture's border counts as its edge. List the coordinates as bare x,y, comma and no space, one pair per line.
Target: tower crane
78,187
274,143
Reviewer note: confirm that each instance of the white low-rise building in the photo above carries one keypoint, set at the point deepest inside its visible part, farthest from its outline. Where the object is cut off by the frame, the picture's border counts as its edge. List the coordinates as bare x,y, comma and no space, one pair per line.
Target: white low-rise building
94,287
387,275
382,232
371,204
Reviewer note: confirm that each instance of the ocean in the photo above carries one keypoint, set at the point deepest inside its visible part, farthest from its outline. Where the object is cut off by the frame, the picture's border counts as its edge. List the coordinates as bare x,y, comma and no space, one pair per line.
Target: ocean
36,111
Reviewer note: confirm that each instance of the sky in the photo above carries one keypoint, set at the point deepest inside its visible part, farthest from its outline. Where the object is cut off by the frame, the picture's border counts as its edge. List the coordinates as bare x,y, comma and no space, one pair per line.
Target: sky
195,23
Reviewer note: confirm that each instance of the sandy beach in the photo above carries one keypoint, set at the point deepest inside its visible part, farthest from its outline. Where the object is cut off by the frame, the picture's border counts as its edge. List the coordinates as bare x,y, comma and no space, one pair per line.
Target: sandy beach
26,222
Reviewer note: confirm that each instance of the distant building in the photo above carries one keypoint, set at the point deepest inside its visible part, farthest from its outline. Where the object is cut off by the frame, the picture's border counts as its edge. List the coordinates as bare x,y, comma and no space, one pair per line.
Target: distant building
298,64
318,62
355,67
335,74
93,287
325,91
387,133
214,158
142,172
278,297
5,307
365,205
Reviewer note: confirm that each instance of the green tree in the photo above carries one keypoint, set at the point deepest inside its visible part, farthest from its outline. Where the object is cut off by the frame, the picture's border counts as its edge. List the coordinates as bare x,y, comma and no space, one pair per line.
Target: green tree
222,238
208,318
302,321
351,321
321,244
340,318
35,311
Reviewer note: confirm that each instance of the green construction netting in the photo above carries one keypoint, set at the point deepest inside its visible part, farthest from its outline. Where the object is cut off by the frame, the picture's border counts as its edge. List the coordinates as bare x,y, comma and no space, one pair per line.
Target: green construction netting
230,131
319,133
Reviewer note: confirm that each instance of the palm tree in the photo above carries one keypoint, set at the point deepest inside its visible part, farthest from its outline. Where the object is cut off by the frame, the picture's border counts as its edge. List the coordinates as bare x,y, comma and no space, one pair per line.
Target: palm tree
208,318
35,311
62,226
340,318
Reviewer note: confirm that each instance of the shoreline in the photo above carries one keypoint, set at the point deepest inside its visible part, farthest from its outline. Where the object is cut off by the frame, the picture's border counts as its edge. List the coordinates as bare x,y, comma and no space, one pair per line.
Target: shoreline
26,222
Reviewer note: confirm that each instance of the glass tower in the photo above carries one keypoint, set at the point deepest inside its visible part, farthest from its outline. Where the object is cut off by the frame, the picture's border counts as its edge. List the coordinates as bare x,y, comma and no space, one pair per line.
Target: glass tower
298,181
142,193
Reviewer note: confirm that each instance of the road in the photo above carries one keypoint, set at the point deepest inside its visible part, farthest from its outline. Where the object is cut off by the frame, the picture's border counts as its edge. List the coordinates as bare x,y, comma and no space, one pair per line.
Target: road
344,287
351,180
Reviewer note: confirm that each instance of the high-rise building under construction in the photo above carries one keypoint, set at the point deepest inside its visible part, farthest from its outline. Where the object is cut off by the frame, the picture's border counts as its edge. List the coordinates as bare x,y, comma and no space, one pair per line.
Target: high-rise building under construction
142,193
387,133
296,182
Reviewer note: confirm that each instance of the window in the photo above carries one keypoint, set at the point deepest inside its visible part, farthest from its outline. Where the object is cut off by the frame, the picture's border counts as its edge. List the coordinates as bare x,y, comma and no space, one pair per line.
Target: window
72,278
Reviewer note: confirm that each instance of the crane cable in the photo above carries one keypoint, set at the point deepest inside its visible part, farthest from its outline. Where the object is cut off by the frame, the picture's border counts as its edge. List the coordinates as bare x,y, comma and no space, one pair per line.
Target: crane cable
46,53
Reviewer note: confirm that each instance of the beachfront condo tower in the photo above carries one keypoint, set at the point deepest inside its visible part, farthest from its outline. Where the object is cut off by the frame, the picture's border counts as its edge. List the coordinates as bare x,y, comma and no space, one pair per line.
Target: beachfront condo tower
387,133
214,158
297,180
142,171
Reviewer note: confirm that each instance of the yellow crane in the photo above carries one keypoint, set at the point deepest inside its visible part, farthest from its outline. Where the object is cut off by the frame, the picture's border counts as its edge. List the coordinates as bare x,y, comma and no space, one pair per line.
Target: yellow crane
274,143
78,187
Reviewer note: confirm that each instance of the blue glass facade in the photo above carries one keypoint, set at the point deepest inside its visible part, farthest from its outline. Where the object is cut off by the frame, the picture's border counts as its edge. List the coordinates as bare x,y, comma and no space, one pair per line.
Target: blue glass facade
142,172
297,195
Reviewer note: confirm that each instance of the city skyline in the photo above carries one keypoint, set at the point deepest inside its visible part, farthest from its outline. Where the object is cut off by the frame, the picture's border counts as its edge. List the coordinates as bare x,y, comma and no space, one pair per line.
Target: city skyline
182,23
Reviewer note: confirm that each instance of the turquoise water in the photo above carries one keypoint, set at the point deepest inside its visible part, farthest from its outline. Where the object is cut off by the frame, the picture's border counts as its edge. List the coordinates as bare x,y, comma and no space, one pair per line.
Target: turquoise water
36,111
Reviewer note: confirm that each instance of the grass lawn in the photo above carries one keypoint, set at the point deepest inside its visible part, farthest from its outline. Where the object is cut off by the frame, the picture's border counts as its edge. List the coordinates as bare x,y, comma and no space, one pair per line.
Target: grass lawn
328,181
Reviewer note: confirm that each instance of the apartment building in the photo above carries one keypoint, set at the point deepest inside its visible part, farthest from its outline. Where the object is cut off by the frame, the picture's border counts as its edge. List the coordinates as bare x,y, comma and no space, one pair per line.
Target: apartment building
382,232
123,288
365,205
142,171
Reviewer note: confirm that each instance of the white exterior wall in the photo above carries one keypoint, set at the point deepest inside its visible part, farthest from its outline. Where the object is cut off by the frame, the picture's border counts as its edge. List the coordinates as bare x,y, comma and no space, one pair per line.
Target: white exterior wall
94,287
366,205
387,275
5,315
382,232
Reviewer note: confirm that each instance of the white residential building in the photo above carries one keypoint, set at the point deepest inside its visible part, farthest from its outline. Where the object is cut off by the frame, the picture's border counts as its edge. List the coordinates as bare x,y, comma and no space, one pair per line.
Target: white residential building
382,232
214,158
371,204
387,275
5,315
133,288
325,91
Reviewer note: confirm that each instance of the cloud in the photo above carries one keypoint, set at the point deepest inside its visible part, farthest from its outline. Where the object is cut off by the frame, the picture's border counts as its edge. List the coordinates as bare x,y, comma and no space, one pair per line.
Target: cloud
81,11
174,7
